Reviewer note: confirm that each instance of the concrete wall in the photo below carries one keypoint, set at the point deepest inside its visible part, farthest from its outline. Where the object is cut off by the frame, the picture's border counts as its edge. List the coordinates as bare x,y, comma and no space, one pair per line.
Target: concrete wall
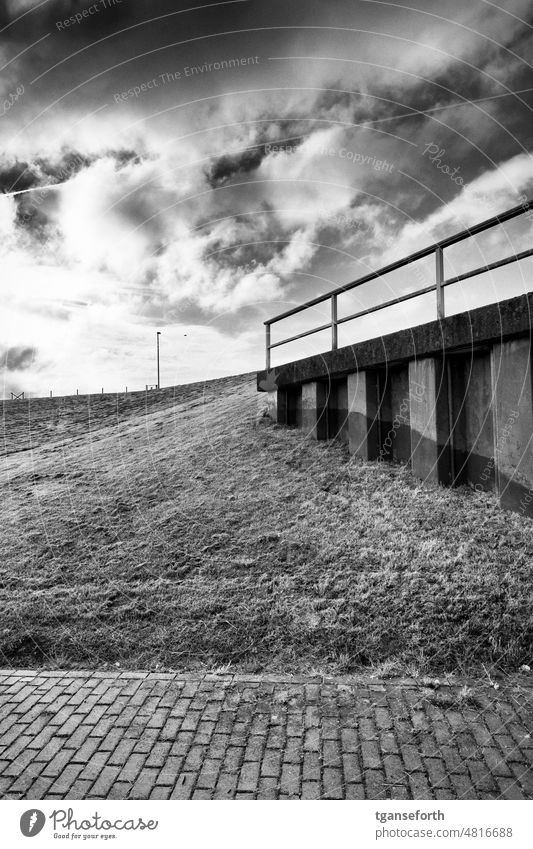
314,415
513,424
294,407
399,434
462,415
473,430
338,410
429,420
363,422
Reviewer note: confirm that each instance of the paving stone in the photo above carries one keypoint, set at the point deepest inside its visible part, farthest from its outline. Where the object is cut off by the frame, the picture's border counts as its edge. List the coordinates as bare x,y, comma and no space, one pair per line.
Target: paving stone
394,769
132,767
375,784
160,736
171,770
332,783
349,740
158,754
184,786
144,784
58,763
411,758
63,784
352,768
331,754
80,789
311,767
21,784
330,729
453,760
201,793
268,788
254,748
226,786
248,777
463,787
290,780
436,770
509,788
355,791
271,763
310,790
524,774
102,778
208,776
120,754
160,793
420,787
85,752
371,755
312,740
195,758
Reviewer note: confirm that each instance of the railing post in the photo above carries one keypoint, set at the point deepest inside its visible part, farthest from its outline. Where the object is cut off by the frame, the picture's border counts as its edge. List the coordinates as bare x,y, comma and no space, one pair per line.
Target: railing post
334,332
267,339
439,268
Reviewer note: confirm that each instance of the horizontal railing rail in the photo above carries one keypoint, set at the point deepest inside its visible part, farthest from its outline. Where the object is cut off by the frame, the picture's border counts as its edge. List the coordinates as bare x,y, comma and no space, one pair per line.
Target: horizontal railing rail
440,283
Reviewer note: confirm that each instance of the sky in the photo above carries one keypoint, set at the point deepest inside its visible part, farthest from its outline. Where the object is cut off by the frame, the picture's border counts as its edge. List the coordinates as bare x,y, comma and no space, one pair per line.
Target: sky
197,168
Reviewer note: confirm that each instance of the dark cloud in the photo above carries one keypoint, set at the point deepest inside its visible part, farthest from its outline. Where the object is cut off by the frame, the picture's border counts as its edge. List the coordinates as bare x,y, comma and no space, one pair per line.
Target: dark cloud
17,175
107,15
35,209
224,168
125,157
151,21
18,358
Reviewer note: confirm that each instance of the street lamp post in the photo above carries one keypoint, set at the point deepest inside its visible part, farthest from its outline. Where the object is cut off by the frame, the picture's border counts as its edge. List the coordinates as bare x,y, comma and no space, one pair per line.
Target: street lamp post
158,379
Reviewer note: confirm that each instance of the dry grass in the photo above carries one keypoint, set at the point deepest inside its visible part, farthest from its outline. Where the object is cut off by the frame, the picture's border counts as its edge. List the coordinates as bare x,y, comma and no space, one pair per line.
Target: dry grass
190,535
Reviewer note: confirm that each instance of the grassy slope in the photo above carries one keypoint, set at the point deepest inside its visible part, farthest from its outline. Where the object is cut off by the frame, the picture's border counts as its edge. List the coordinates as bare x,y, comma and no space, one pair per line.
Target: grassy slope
189,535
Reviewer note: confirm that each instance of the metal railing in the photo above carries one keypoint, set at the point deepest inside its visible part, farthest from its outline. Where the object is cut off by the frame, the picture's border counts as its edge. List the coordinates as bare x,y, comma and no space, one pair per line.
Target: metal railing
440,283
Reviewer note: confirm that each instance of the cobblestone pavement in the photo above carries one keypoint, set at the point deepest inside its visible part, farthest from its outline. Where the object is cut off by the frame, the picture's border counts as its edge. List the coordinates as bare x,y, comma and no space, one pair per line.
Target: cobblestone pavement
75,735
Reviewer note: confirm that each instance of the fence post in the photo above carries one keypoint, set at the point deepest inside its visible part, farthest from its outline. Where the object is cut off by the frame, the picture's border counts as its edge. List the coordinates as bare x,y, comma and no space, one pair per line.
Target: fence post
334,331
439,268
267,339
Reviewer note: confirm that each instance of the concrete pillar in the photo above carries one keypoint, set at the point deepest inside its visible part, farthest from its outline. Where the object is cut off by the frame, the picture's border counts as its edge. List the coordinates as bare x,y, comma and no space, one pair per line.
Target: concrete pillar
276,405
513,424
268,401
338,411
456,376
478,423
400,435
314,417
429,418
384,412
342,411
294,406
363,423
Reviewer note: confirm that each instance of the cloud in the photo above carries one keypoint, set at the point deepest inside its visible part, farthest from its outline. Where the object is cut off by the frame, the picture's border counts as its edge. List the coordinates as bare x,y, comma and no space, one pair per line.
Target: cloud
18,175
18,358
176,211
104,16
226,167
495,190
278,135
